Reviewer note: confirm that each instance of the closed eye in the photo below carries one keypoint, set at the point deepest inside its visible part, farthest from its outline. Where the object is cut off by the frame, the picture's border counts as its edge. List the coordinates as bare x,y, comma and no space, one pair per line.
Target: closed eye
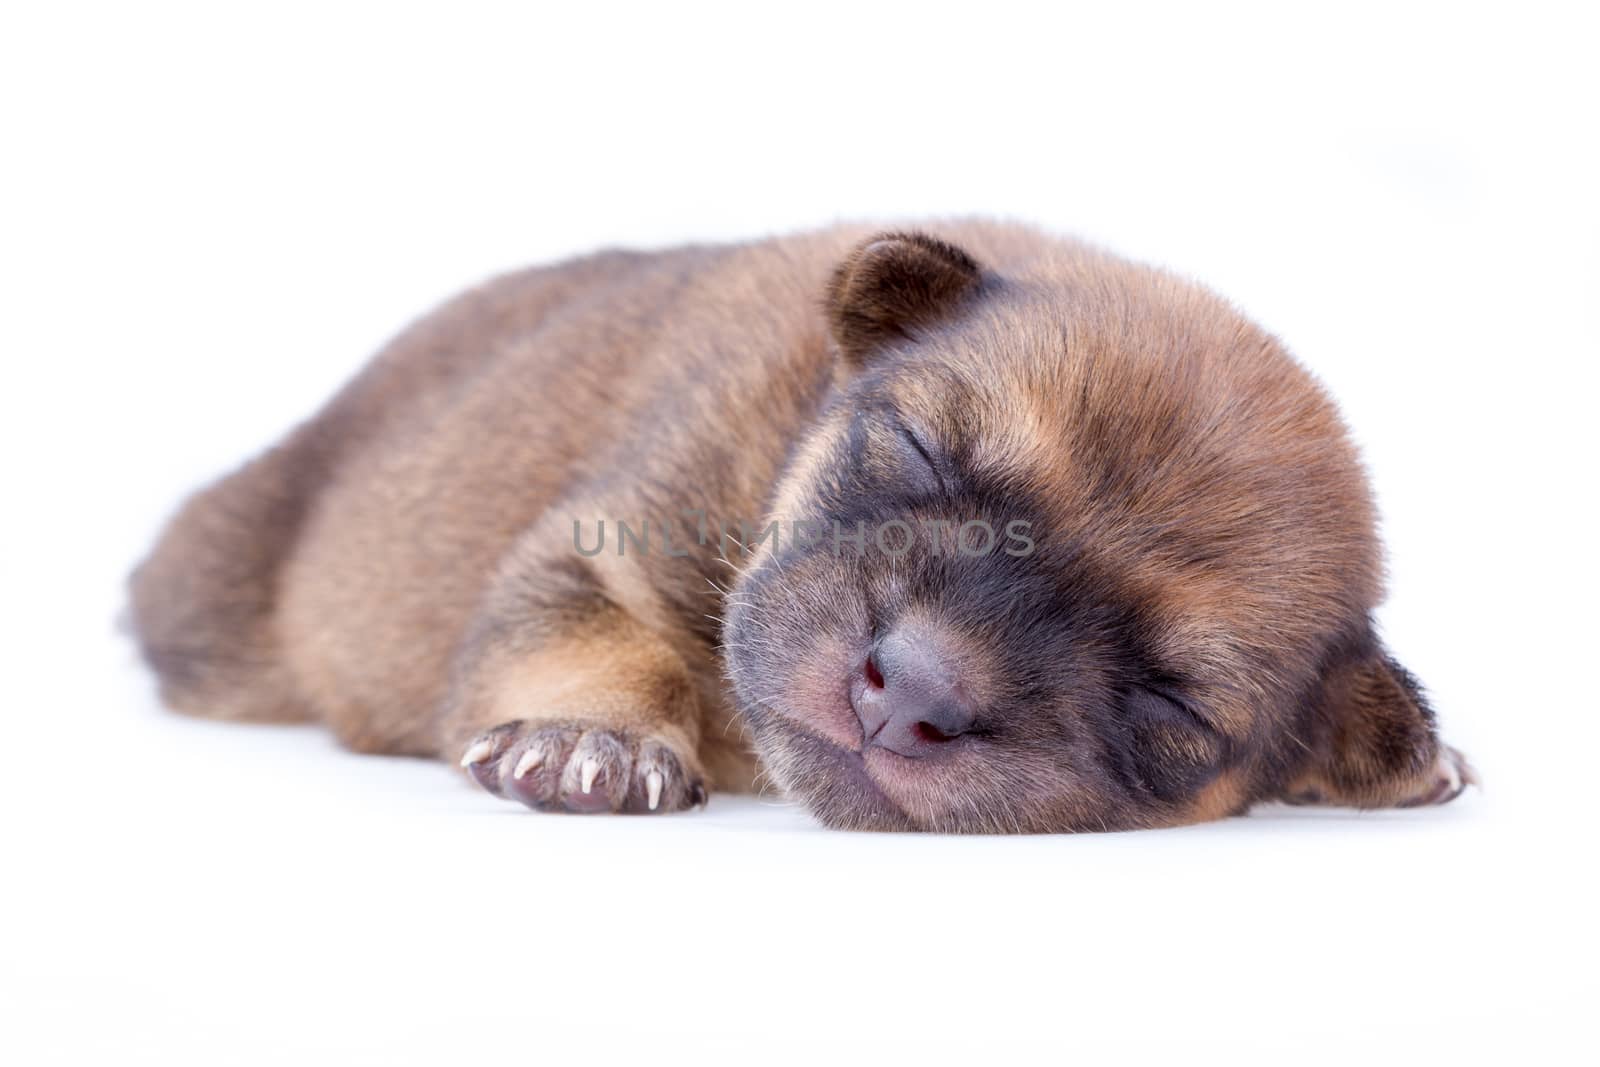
1160,703
915,445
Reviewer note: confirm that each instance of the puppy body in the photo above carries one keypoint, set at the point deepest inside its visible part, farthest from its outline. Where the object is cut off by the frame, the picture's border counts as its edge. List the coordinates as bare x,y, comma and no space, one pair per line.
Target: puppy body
415,567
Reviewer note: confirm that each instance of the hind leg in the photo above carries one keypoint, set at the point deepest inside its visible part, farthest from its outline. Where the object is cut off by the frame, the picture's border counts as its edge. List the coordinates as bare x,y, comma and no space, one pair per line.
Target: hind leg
202,604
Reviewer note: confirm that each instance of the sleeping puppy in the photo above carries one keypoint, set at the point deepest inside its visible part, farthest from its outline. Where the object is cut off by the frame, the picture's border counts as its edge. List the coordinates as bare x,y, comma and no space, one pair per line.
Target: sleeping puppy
962,529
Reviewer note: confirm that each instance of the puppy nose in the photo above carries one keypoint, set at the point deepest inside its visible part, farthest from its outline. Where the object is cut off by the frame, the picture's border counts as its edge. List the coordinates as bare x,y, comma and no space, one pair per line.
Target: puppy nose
909,698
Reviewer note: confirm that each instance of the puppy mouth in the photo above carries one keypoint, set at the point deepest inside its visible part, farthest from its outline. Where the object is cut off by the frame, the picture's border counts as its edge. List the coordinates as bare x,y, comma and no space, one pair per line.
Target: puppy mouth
823,749
832,780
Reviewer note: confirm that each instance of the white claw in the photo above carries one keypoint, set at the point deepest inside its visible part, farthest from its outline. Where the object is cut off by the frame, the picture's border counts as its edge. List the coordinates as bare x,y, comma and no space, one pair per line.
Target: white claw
477,752
652,786
530,759
587,774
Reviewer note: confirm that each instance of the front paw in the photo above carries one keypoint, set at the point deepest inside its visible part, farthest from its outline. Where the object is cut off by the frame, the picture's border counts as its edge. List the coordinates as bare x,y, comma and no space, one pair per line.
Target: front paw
1451,776
568,765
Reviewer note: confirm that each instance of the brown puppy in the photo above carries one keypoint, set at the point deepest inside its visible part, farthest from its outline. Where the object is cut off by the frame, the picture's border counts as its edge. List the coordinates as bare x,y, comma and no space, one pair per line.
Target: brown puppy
969,529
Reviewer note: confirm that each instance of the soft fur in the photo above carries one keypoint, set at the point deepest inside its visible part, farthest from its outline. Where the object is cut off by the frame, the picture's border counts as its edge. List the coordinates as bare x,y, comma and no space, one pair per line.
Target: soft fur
1190,634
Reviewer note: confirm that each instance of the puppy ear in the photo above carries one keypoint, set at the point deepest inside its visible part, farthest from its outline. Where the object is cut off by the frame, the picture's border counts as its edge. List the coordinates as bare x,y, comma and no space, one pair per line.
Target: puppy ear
891,285
1373,743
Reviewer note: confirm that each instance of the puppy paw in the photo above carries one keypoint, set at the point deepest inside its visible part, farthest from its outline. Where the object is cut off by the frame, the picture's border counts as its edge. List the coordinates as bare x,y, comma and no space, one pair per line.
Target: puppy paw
574,766
1451,776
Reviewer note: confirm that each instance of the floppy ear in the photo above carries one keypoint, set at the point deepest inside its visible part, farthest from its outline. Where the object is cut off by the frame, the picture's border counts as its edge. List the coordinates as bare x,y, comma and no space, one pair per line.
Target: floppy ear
892,284
1373,742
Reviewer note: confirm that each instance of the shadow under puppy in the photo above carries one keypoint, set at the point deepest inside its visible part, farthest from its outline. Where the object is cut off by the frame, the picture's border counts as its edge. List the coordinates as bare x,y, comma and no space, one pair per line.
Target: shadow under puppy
962,529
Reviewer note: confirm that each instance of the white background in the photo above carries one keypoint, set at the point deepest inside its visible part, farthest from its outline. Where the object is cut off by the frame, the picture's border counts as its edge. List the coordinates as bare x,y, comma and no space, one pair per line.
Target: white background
210,218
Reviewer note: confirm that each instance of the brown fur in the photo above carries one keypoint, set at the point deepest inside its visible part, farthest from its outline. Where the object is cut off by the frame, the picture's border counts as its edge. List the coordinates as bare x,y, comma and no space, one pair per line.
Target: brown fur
1191,636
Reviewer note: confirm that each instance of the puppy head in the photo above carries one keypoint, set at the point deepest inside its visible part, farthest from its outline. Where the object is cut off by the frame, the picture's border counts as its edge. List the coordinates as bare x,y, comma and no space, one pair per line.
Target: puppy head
1072,547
